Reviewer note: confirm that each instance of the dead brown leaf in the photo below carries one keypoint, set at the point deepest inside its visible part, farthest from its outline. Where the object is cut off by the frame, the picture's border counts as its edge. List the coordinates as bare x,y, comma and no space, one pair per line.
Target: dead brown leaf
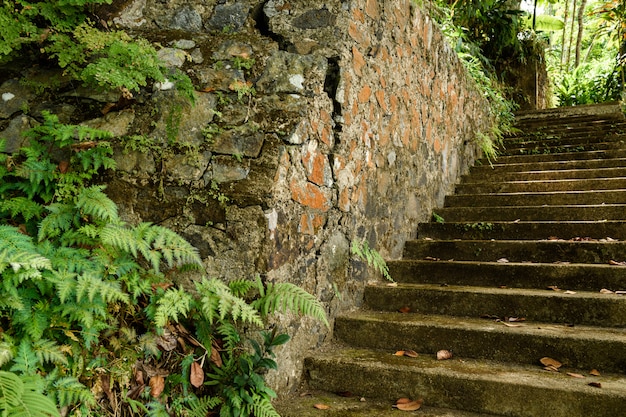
612,262
196,376
404,309
605,291
392,284
403,400
430,258
411,405
595,384
411,353
515,319
551,368
443,355
594,372
511,324
569,292
553,288
546,361
399,353
157,383
503,260
215,355
574,375
321,406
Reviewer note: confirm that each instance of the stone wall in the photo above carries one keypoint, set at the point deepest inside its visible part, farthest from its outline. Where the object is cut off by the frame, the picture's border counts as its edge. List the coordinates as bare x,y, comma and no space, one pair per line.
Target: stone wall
321,122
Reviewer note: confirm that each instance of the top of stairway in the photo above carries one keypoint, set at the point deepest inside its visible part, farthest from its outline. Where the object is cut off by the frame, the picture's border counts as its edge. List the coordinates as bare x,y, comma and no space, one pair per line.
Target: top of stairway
612,110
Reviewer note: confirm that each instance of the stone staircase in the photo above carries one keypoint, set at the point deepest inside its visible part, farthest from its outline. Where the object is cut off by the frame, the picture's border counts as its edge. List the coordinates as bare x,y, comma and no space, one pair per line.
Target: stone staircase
527,264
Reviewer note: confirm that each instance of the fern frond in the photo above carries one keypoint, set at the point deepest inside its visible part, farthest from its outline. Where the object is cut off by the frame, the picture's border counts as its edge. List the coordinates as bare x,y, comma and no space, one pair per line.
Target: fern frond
25,360
49,351
217,301
262,407
34,404
119,237
6,354
230,335
93,285
11,390
171,305
69,391
240,287
289,297
200,407
92,201
59,219
22,206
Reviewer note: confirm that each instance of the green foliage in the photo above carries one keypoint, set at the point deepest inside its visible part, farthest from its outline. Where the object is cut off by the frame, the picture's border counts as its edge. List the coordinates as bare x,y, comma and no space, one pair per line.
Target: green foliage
64,32
19,396
371,256
218,311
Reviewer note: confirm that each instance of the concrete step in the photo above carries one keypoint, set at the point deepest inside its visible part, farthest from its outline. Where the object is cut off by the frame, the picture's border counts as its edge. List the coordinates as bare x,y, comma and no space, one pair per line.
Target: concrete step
580,347
556,198
574,276
551,157
464,384
539,213
592,184
542,305
349,405
497,168
521,230
561,146
552,174
546,251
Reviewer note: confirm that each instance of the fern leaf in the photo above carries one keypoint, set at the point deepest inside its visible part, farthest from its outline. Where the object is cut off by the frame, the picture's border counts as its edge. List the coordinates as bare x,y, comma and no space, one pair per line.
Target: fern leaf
69,391
93,285
200,407
241,287
289,297
171,305
11,390
262,407
22,206
94,202
25,361
230,335
6,354
49,351
59,219
120,238
34,404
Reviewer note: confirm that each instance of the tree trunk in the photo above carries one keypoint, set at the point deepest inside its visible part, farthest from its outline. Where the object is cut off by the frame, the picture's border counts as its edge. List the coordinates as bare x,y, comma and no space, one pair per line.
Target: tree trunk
571,36
565,16
579,39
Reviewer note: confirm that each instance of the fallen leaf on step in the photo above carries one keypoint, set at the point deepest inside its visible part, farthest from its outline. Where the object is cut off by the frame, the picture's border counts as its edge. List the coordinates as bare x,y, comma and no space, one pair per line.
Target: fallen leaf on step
411,353
595,384
157,383
574,375
612,262
551,368
594,372
430,258
392,284
546,361
511,324
515,319
605,291
569,292
399,353
503,260
553,288
410,405
443,355
404,309
321,406
610,239
620,292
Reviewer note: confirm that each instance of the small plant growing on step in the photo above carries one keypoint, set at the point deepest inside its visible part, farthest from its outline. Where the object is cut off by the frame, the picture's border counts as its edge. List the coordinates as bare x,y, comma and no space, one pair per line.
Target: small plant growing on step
437,218
372,257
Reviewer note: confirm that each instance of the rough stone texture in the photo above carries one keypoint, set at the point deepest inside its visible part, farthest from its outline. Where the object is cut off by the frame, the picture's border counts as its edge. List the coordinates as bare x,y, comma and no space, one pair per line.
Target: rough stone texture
316,124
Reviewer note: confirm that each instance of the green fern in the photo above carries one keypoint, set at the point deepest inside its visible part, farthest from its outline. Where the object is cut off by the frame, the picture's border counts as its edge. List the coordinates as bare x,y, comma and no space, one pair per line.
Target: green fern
174,303
372,257
23,399
92,201
68,391
288,297
200,407
217,302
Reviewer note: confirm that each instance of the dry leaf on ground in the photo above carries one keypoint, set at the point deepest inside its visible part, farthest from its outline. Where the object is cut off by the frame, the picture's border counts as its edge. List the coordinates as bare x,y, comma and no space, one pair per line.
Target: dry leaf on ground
605,291
443,355
321,406
511,324
553,288
411,353
392,284
595,384
550,362
616,263
575,375
594,372
569,292
406,404
404,309
503,260
196,376
157,383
